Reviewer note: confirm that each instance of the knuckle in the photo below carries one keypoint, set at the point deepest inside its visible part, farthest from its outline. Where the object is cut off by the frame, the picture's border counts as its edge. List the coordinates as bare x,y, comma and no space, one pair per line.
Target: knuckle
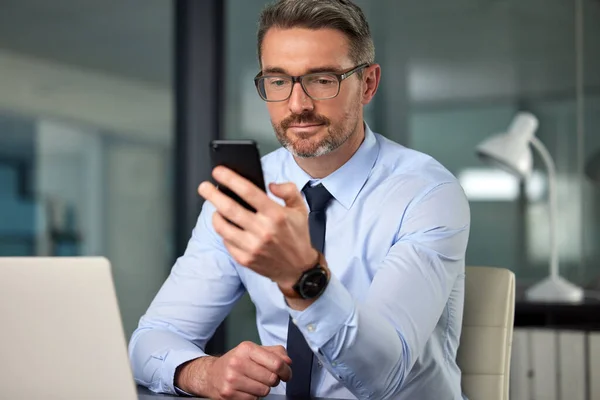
229,378
218,228
278,218
254,246
240,259
227,392
266,237
244,189
235,362
228,208
246,345
246,259
278,364
281,349
236,212
253,254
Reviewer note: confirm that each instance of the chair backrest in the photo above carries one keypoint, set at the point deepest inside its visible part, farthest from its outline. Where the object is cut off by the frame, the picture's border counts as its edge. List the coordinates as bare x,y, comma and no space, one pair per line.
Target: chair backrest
485,344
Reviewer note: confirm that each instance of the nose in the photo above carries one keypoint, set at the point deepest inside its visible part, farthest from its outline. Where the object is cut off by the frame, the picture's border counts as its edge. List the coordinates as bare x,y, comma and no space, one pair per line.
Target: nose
299,101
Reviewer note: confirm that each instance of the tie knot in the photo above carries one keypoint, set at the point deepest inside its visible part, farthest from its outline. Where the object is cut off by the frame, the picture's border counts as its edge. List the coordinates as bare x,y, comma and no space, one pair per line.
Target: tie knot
317,197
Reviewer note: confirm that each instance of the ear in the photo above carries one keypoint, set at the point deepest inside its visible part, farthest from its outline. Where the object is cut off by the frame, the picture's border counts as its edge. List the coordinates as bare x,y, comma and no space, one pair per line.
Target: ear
371,77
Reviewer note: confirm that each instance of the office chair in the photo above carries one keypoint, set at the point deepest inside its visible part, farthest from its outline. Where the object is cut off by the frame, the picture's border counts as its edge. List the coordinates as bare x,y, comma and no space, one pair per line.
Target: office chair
485,345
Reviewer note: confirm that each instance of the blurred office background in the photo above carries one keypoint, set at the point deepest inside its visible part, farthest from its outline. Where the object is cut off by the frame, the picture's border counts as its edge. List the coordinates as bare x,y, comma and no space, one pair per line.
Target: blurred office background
88,134
86,137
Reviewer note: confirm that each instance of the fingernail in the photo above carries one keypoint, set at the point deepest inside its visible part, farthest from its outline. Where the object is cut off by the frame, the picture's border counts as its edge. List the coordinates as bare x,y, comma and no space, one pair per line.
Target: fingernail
203,186
218,171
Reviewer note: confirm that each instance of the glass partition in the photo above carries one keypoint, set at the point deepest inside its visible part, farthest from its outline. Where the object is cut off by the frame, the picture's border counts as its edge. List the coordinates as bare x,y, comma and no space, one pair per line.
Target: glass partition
86,137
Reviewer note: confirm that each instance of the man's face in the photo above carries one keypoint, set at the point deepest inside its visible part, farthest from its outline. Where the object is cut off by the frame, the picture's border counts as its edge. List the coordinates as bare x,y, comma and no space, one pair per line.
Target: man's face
307,127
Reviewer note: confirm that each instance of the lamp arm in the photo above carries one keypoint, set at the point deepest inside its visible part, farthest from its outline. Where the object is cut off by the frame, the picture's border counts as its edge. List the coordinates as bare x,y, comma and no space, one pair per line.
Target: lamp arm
552,203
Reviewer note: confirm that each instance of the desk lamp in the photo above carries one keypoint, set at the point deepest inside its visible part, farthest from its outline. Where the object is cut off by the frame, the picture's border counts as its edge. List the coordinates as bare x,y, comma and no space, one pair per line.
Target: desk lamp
510,151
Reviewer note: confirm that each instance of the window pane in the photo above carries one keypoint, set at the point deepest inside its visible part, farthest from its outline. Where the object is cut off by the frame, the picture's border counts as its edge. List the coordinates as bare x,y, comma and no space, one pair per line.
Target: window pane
453,74
85,137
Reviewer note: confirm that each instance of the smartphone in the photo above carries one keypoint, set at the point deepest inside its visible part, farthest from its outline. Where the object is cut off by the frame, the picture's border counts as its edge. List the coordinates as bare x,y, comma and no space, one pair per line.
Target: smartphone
242,157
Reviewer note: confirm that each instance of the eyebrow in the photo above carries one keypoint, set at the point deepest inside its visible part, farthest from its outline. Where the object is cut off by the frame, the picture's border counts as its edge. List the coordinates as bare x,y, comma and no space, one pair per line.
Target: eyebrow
326,68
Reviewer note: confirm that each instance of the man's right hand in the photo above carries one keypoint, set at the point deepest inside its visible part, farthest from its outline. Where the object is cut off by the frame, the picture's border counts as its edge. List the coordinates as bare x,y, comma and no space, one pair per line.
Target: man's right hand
247,372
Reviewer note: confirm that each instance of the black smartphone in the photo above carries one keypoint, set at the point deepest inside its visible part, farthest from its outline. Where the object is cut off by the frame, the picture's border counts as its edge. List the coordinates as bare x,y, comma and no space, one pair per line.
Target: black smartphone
242,157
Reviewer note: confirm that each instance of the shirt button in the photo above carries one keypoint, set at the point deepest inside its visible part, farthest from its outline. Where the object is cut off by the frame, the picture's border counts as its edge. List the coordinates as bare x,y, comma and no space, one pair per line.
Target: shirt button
334,364
311,327
294,321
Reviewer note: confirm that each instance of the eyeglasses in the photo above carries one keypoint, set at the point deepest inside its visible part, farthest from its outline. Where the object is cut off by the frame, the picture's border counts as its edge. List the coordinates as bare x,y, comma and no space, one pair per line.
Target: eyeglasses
317,86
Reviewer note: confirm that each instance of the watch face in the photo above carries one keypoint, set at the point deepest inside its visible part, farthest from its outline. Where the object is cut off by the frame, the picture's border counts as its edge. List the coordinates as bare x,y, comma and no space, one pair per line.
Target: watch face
313,283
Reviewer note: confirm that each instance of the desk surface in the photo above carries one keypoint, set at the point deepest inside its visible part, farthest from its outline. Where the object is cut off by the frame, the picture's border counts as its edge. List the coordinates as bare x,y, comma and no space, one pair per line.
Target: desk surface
584,316
145,394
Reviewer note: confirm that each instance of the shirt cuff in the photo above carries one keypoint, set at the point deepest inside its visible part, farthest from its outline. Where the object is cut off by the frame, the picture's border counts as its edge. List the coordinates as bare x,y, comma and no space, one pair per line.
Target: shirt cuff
323,319
181,392
174,360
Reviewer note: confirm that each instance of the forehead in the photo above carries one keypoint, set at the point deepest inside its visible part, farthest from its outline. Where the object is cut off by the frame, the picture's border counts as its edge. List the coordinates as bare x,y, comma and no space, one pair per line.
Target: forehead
298,50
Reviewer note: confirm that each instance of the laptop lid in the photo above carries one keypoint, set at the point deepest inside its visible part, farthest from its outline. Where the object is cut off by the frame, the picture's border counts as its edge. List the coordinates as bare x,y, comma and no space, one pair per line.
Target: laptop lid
61,333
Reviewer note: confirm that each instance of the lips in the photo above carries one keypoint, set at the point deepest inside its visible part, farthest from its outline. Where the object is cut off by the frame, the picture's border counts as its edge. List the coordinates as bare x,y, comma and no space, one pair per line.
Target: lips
304,125
304,131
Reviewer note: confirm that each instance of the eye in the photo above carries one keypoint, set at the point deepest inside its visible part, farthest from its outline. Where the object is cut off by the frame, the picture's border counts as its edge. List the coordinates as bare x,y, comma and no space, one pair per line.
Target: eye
322,80
277,82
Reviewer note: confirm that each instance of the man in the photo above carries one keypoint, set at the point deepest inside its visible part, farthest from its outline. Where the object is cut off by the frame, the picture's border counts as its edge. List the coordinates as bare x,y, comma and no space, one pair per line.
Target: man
354,259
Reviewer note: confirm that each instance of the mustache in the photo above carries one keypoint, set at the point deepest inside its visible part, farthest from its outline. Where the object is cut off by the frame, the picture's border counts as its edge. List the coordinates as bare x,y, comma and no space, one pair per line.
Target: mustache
304,118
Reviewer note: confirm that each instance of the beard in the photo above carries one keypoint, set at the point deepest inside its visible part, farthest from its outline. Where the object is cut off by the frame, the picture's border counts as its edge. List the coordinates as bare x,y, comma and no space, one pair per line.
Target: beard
306,145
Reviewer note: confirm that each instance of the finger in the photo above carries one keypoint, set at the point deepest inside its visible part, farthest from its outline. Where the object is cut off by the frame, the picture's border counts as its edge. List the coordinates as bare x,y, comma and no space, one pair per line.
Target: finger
289,193
243,258
225,205
250,387
280,351
232,392
247,190
240,256
263,375
272,362
230,233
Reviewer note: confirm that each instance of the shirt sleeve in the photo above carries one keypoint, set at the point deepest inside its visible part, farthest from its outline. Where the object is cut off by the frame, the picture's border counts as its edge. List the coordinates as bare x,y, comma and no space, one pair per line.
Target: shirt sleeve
199,293
371,347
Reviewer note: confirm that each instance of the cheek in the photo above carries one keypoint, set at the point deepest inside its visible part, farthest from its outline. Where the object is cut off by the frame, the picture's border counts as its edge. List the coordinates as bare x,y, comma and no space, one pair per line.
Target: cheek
339,108
276,111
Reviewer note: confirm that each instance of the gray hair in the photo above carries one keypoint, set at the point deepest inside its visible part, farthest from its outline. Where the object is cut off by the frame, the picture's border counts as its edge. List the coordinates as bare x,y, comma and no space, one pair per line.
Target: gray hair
342,15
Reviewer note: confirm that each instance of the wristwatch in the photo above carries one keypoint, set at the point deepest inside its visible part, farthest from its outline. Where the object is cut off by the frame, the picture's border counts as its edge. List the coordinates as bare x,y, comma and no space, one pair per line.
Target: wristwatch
312,282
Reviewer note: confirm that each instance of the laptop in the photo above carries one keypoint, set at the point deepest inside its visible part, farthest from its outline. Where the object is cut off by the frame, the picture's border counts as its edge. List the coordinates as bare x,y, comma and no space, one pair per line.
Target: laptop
61,334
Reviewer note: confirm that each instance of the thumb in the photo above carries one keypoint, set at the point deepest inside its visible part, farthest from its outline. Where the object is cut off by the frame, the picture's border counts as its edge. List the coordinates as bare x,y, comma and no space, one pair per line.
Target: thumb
289,193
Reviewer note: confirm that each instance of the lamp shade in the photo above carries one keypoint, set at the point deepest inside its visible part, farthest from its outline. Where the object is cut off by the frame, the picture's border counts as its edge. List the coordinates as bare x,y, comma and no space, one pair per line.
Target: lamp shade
510,151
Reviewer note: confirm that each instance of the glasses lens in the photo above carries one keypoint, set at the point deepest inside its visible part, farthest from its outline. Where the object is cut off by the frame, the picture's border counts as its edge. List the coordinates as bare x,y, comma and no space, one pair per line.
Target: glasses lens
321,86
274,88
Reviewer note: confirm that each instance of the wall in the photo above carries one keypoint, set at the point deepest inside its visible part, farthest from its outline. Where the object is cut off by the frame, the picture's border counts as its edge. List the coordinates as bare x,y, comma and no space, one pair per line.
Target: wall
138,215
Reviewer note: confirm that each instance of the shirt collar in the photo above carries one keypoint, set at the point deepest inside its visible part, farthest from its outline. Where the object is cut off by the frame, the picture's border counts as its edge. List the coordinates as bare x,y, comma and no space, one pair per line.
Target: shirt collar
345,183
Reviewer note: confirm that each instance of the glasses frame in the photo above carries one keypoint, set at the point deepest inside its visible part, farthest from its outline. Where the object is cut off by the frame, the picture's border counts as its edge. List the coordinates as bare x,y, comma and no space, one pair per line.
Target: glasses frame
299,79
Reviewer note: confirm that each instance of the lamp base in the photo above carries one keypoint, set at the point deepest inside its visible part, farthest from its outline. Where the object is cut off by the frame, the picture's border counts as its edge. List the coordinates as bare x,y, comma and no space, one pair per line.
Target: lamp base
555,290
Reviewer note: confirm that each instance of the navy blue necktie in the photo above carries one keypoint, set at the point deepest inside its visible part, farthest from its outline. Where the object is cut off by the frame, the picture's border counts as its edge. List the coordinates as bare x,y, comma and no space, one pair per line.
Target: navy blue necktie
302,357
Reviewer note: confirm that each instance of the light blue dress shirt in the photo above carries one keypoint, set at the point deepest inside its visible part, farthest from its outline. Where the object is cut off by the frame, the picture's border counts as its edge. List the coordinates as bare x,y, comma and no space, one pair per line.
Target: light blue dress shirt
388,324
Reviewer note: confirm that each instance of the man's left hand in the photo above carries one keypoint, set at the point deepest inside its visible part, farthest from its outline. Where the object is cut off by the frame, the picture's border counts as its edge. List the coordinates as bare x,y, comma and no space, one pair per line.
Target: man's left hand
274,241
